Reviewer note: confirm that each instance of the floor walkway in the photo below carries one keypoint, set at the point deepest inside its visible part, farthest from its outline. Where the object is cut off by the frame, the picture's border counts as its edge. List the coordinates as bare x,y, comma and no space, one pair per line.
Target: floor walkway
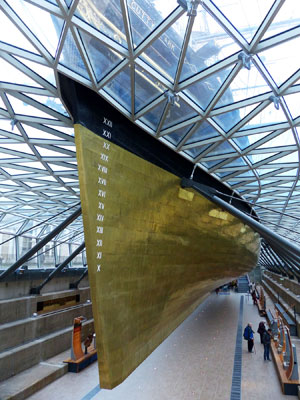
194,362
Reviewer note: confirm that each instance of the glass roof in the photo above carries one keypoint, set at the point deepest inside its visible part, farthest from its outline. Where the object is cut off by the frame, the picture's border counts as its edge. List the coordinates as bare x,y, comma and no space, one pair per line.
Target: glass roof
217,81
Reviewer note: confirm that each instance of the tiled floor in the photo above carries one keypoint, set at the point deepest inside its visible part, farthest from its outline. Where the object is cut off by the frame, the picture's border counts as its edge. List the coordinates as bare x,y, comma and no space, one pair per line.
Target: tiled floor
194,362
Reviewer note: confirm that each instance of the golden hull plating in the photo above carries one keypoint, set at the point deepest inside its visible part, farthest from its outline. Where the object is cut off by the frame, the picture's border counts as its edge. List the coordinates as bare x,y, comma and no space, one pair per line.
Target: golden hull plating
154,251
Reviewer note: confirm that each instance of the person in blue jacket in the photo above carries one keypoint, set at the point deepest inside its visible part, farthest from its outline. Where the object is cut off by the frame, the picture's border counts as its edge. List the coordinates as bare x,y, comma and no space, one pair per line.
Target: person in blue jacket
248,335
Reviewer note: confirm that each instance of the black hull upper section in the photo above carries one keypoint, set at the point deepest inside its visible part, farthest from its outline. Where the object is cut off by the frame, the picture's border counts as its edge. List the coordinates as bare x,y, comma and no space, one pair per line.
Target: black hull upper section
90,110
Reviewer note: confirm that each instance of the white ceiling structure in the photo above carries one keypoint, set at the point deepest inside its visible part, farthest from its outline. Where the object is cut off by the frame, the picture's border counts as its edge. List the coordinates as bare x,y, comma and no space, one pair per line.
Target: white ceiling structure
216,81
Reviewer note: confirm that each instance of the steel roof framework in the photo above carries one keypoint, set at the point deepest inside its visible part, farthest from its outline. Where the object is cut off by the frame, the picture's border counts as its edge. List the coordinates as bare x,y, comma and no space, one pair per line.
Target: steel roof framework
38,172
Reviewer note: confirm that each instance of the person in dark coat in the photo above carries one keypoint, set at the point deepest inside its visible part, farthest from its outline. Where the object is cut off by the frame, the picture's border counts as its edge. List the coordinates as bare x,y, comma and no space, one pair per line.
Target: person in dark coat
267,343
261,330
254,298
248,335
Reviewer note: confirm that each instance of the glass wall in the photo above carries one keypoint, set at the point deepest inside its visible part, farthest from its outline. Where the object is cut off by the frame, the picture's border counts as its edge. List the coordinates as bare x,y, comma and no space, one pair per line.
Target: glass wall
13,247
7,250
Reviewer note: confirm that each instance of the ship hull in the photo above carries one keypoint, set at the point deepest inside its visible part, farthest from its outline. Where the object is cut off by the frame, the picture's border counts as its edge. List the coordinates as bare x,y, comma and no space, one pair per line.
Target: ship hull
154,251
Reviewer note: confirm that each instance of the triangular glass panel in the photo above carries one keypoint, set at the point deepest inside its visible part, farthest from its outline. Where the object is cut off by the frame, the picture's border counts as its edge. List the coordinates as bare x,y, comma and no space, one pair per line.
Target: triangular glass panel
105,16
291,172
2,105
64,129
23,108
55,167
34,133
102,58
267,116
153,117
245,16
244,175
223,148
147,88
250,196
247,83
63,144
255,158
282,60
269,199
244,141
205,131
13,171
202,92
43,71
46,152
14,75
71,58
287,184
290,158
52,102
251,185
10,183
208,44
32,184
8,126
293,101
45,26
195,151
229,119
19,147
211,164
176,136
15,37
163,55
235,165
238,162
282,194
287,18
265,171
178,112
222,174
5,156
285,139
266,191
9,219
68,2
145,17
120,88
32,164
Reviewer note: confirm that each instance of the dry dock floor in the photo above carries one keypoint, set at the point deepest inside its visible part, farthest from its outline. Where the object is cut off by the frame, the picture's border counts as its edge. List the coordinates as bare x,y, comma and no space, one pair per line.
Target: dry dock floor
194,362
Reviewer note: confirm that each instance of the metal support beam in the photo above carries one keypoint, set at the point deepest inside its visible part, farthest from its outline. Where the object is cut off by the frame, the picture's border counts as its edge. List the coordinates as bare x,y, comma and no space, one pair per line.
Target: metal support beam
291,261
266,261
37,290
40,244
284,258
74,285
271,237
276,259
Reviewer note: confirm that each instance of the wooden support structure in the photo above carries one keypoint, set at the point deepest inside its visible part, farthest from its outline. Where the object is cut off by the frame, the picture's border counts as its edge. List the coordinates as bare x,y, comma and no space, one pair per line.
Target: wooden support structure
79,359
285,371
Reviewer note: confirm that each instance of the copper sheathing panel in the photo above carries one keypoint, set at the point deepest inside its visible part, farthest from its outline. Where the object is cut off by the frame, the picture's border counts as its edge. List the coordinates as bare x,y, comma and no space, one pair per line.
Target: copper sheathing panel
154,251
